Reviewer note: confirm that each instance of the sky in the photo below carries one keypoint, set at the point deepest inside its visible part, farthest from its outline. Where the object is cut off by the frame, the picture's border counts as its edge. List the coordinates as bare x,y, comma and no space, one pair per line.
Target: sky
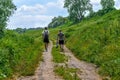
39,13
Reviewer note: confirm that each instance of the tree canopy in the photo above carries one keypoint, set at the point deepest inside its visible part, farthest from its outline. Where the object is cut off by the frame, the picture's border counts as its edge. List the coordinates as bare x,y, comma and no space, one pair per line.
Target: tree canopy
107,4
57,21
6,10
77,8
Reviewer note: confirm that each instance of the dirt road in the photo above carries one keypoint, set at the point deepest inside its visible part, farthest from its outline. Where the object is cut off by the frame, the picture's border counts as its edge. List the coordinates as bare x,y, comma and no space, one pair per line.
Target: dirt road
87,71
46,67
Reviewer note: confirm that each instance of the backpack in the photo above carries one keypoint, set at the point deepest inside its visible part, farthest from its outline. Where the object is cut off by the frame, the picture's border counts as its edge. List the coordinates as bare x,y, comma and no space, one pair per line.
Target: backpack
46,35
61,36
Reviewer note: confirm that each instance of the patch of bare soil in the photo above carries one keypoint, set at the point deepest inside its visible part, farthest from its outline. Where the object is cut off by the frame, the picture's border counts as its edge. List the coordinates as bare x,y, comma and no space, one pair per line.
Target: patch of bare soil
87,71
45,69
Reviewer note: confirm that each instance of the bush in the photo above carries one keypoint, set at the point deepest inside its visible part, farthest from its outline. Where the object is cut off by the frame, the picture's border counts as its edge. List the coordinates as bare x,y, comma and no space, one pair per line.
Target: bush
20,54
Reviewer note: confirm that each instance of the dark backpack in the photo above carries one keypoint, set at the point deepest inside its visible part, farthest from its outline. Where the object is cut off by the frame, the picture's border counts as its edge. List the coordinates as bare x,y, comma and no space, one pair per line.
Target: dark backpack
61,36
46,35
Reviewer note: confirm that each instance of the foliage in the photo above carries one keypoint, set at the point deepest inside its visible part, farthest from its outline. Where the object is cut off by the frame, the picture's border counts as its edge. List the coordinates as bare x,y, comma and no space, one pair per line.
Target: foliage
20,30
20,53
57,21
98,42
107,4
1,33
77,9
57,56
104,11
6,10
67,73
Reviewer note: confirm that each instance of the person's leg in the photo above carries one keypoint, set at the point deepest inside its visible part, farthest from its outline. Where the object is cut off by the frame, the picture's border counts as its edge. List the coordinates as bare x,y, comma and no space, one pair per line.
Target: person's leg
46,41
62,45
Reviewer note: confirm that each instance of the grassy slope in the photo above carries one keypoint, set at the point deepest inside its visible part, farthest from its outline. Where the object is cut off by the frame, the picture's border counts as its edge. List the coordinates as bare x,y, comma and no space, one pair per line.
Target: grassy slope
96,40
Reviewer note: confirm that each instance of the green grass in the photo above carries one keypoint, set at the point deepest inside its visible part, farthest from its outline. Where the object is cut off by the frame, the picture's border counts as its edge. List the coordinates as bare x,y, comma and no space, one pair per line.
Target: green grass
66,73
57,56
20,53
96,40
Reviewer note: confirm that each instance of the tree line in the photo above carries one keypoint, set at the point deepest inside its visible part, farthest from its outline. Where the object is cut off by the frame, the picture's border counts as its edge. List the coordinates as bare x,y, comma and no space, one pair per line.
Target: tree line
78,9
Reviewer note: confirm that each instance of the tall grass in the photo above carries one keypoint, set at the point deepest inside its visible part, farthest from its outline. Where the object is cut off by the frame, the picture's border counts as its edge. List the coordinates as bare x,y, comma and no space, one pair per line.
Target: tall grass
57,56
98,42
20,54
67,73
63,70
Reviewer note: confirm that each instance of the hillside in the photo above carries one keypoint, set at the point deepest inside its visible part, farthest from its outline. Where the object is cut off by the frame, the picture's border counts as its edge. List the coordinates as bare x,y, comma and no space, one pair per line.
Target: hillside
97,41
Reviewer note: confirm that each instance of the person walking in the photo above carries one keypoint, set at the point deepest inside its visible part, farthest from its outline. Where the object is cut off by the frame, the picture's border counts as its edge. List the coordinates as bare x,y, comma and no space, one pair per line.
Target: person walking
45,35
61,40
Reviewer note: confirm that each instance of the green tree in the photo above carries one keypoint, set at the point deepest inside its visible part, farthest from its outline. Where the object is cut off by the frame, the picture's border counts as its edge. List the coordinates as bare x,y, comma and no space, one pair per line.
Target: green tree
57,21
6,10
107,4
77,9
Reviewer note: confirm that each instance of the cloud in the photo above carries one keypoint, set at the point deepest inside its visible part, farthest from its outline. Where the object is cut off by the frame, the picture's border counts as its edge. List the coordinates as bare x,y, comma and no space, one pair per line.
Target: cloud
95,2
36,9
34,13
56,8
117,4
37,15
29,16
59,4
97,6
29,21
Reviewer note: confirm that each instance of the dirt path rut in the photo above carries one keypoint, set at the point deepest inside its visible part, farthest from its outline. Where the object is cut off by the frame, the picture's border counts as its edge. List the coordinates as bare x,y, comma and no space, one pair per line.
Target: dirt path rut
87,70
45,69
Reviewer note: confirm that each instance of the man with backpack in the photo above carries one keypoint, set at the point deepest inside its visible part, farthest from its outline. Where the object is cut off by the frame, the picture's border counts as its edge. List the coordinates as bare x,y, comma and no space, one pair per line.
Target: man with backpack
61,40
45,35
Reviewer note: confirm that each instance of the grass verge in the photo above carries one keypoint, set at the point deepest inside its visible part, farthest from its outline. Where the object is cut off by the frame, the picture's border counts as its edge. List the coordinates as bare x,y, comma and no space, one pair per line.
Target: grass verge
66,73
57,56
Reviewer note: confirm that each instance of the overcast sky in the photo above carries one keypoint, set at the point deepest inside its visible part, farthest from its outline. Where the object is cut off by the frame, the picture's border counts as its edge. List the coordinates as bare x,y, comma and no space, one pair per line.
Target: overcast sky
38,13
